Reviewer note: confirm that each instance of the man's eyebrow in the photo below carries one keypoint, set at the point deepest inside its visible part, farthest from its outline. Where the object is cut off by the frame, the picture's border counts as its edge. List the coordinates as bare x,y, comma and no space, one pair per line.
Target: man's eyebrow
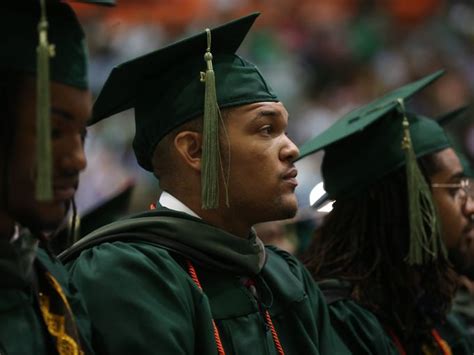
267,113
62,113
457,175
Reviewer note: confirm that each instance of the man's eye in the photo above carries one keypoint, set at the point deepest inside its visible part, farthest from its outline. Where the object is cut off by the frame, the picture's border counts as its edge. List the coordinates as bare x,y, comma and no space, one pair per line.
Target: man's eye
266,129
453,191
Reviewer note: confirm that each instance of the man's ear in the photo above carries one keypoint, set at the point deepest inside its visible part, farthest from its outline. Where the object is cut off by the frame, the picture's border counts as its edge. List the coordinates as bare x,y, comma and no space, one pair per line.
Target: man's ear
188,144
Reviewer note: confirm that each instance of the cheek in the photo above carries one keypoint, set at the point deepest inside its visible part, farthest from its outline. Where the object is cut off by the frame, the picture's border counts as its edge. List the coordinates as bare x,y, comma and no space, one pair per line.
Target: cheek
451,220
253,163
22,170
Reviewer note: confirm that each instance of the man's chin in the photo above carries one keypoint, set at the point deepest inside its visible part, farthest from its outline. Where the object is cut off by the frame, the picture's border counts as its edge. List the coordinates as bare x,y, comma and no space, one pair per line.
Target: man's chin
287,209
463,265
47,218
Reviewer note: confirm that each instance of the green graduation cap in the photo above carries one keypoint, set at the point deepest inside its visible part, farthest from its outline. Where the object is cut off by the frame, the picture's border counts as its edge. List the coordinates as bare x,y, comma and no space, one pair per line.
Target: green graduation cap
366,144
44,39
448,121
194,77
376,139
68,60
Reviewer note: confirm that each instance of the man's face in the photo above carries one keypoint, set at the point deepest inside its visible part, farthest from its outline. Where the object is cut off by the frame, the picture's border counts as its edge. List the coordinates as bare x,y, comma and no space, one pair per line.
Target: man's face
262,175
70,109
454,212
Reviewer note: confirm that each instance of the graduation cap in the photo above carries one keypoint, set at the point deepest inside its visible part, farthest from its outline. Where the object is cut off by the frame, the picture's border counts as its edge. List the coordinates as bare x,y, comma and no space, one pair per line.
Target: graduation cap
61,30
376,139
448,120
194,77
44,39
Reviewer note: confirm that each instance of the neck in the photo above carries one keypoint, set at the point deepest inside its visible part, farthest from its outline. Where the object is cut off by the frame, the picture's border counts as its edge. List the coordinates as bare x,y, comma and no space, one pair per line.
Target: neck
223,217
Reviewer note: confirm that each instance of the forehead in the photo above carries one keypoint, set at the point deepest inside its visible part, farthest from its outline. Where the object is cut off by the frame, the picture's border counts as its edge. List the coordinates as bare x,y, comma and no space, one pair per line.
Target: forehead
72,102
255,110
447,163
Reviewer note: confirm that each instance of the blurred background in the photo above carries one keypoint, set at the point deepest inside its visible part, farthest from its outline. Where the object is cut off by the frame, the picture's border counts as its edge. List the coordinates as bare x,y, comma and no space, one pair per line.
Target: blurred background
322,57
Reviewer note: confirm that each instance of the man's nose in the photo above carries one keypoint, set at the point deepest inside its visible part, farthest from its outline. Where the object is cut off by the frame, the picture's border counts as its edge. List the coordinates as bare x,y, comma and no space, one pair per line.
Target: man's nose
72,157
469,206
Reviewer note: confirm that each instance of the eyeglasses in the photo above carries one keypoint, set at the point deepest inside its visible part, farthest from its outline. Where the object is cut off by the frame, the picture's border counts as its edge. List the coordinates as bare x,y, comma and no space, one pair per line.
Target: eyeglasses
461,190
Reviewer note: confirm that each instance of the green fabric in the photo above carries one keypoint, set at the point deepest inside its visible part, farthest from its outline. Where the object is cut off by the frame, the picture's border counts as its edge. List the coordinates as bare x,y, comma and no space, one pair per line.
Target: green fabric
165,88
141,298
226,250
364,334
454,331
16,261
357,327
364,159
23,330
19,24
464,303
463,310
365,145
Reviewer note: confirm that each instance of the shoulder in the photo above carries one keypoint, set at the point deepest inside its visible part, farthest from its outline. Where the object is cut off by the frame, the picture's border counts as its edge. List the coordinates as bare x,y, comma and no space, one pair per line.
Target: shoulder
52,265
124,264
150,298
287,274
277,257
107,257
337,294
359,328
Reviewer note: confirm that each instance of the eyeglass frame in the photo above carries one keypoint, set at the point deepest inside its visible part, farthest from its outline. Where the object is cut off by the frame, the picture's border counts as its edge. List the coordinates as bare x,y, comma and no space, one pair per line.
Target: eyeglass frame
465,184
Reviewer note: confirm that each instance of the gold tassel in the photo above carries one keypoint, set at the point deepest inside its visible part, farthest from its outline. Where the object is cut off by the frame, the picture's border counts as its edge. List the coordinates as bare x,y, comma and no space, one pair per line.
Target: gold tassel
210,149
425,237
44,188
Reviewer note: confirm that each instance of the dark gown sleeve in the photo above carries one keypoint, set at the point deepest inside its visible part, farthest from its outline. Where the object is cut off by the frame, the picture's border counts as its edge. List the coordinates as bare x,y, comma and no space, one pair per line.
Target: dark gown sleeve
141,301
357,327
328,341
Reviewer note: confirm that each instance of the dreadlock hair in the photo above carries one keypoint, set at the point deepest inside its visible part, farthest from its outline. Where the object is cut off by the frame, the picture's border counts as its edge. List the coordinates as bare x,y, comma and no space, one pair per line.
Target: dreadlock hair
364,240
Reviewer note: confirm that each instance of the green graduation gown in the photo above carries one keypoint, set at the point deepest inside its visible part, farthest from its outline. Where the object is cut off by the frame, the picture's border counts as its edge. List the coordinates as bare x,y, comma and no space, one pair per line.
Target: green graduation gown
364,334
22,329
463,309
455,332
143,301
357,327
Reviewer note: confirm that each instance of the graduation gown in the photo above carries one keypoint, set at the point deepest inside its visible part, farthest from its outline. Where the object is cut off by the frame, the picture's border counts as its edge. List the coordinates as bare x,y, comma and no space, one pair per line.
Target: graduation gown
463,309
364,334
142,299
22,328
357,327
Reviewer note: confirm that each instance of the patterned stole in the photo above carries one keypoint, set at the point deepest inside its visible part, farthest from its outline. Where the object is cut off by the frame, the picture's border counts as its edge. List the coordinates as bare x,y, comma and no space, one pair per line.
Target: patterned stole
57,314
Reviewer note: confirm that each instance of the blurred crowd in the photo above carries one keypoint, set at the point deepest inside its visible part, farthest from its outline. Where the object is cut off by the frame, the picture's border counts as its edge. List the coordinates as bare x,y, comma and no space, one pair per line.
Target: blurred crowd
322,57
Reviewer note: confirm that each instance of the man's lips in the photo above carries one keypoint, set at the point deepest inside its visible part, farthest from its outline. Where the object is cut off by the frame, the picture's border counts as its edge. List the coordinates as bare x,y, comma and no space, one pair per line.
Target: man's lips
64,192
469,231
290,177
